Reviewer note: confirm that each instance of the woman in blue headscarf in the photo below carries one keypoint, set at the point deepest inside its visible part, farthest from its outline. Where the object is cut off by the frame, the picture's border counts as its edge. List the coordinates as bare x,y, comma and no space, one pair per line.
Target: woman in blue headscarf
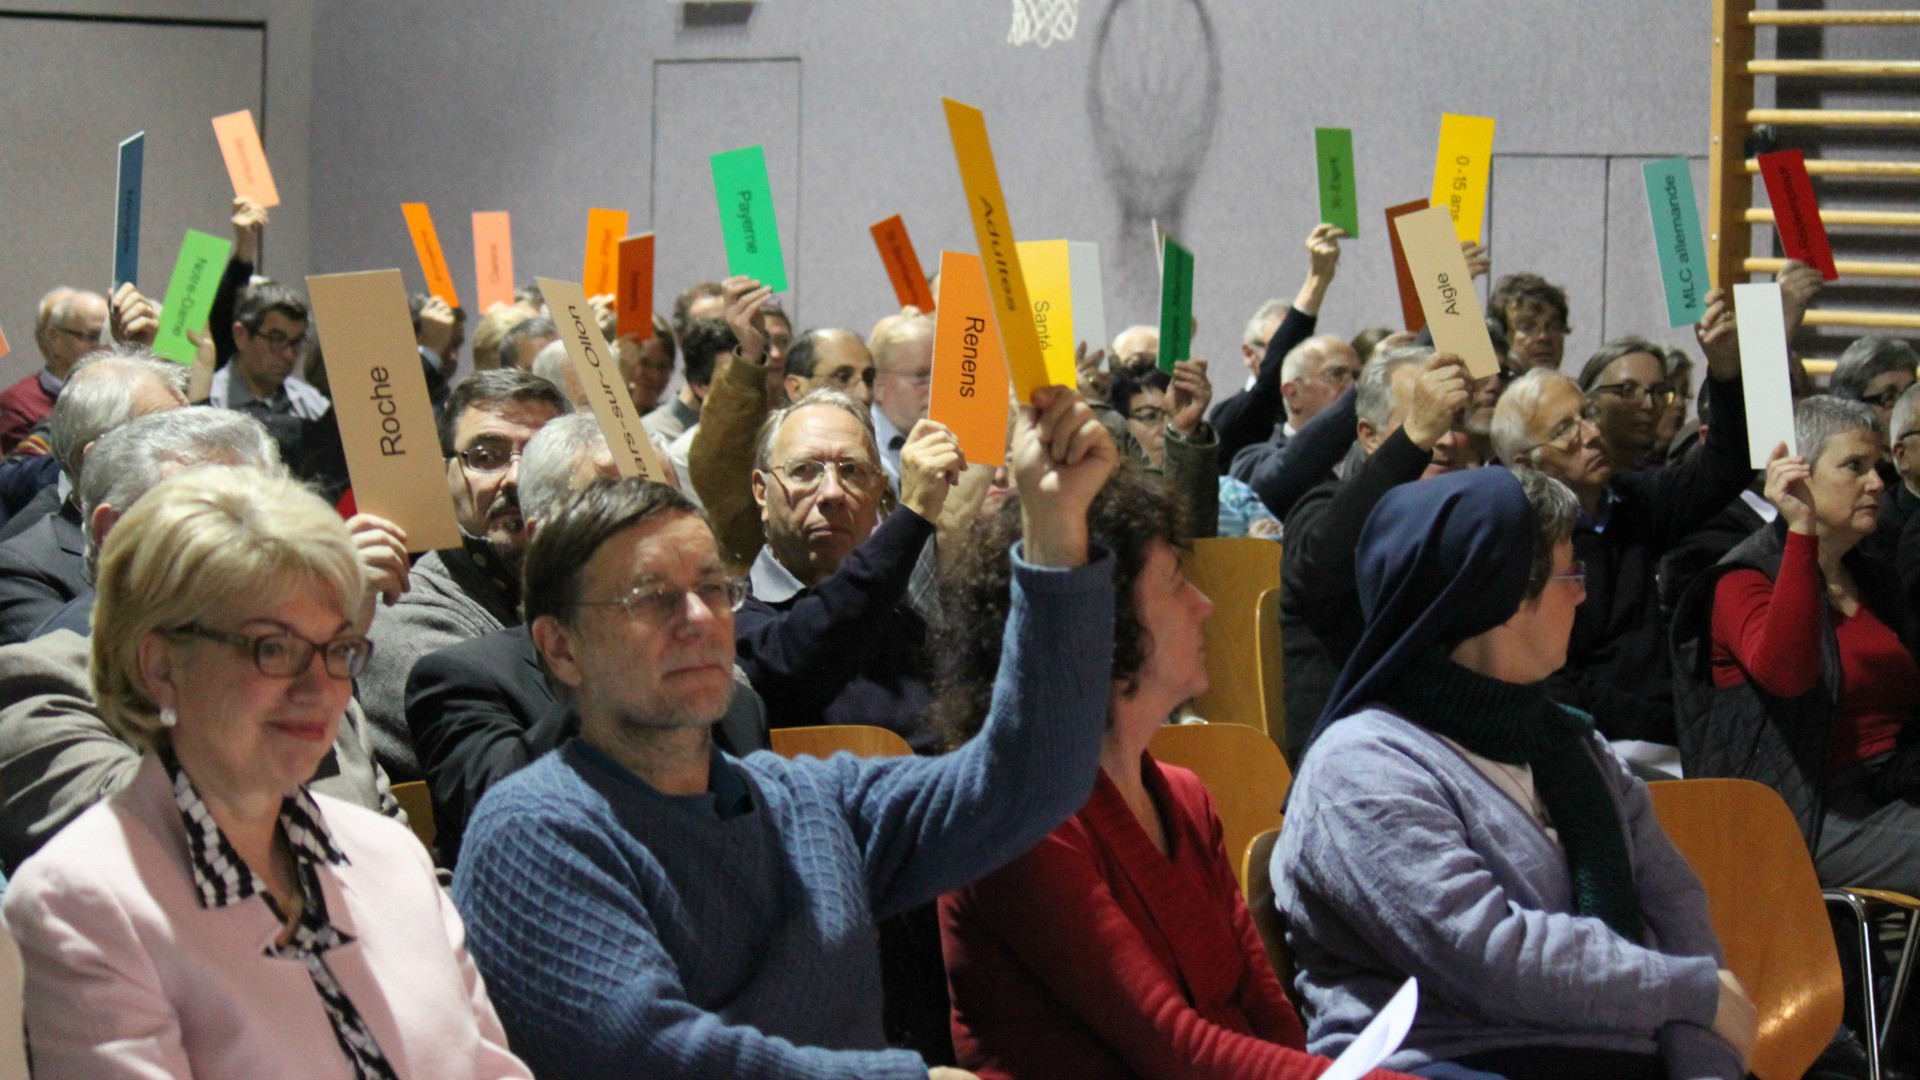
1451,822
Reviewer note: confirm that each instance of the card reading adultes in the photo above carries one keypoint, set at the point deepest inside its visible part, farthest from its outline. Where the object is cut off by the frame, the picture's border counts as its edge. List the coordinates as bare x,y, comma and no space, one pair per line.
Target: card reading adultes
903,266
1048,267
1676,236
599,370
380,396
426,245
246,161
970,386
1460,172
126,210
1333,149
999,258
600,270
746,216
1444,284
189,299
1410,313
1796,213
492,259
633,300
1176,304
1765,374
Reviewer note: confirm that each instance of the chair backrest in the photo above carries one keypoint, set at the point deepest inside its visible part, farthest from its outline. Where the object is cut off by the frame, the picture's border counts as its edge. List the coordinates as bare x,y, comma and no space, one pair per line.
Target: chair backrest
1272,666
1244,772
417,801
13,1043
1765,903
1256,881
826,740
1233,572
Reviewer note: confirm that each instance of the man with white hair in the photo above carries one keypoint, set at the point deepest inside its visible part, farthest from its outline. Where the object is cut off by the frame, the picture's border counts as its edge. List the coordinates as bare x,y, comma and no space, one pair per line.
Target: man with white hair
1314,377
483,709
1618,667
57,755
69,326
902,350
554,365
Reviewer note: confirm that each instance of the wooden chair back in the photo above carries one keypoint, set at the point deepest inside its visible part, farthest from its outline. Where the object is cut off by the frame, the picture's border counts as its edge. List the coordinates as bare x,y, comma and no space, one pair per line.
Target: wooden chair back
826,740
1233,572
1272,667
1244,772
417,801
1766,905
1256,881
13,1043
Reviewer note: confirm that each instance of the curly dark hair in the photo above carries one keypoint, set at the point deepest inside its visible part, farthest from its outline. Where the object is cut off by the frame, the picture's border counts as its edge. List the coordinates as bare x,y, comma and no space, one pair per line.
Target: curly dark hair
1134,509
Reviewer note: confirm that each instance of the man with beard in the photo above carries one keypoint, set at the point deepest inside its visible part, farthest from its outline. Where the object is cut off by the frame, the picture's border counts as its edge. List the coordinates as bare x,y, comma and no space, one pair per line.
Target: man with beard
474,589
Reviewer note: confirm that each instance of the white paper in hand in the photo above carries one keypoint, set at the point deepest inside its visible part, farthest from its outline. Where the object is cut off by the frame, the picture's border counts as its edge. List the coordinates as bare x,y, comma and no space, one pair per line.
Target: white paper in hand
1380,1038
1764,371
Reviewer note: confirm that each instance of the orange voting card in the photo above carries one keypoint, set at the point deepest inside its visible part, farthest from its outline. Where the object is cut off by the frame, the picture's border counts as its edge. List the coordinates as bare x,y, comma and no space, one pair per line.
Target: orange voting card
426,244
1013,309
969,392
246,161
903,266
492,259
600,272
3,343
633,302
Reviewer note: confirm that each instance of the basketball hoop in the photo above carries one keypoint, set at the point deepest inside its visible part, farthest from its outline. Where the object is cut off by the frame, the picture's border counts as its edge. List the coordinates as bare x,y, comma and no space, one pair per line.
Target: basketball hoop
1043,22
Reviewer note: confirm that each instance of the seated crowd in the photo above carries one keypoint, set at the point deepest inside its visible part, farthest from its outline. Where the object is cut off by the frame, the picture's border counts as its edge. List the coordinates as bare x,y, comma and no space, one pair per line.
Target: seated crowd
1505,604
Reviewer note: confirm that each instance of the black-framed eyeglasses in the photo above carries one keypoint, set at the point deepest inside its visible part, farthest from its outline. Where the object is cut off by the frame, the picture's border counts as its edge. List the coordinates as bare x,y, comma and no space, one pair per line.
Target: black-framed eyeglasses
1886,399
280,342
489,457
661,606
1657,395
284,654
805,477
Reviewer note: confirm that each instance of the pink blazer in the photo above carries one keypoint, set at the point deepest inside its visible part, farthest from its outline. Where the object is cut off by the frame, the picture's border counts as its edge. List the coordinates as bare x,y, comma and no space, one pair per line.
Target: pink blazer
128,976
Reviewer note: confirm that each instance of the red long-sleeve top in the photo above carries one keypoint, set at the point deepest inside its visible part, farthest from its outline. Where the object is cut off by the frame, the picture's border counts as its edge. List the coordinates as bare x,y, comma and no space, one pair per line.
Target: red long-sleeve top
1094,955
1769,632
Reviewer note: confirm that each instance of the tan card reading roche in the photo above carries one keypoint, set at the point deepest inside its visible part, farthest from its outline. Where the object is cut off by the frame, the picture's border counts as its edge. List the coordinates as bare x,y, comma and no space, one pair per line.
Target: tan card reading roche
380,395
1445,287
599,371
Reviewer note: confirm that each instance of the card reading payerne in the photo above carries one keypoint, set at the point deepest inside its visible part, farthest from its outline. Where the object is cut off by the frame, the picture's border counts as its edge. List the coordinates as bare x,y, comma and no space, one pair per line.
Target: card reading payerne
1460,172
126,211
1764,372
380,396
1445,287
246,161
599,270
999,259
492,259
1333,148
1676,236
189,299
599,371
970,386
746,216
903,266
633,299
426,245
1176,303
1048,267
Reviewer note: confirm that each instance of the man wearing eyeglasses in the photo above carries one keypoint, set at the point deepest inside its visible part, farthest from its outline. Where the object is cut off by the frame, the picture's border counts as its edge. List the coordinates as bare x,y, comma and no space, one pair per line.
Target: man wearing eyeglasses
1626,384
270,340
902,384
1618,667
68,327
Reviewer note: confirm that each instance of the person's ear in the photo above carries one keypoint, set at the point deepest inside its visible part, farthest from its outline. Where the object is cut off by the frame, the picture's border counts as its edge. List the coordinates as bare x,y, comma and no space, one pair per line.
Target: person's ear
1368,435
240,328
104,517
795,387
760,492
557,644
159,669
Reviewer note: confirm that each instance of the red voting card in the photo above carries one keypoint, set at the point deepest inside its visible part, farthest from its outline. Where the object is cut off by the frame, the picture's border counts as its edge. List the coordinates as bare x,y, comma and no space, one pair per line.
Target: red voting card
1796,213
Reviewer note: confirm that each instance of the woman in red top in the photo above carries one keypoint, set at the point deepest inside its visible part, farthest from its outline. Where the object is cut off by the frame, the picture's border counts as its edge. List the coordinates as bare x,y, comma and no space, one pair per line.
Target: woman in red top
1819,639
1120,946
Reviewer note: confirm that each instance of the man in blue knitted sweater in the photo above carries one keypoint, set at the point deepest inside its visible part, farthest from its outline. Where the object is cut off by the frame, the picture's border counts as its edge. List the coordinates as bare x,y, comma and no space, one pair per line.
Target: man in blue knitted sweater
644,905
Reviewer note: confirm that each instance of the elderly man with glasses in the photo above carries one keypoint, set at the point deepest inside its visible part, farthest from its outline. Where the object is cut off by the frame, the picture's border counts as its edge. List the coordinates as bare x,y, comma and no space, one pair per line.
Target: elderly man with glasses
1617,663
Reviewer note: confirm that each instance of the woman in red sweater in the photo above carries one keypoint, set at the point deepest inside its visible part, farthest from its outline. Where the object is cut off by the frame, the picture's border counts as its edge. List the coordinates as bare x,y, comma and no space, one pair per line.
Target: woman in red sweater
1807,628
1120,946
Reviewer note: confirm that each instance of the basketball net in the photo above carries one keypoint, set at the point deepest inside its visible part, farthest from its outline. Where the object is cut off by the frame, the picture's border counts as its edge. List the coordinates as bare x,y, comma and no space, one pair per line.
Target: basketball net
1043,22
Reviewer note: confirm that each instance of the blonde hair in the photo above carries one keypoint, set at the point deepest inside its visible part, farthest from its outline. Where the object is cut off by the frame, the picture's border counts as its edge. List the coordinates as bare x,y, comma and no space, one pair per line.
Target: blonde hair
205,546
895,331
487,335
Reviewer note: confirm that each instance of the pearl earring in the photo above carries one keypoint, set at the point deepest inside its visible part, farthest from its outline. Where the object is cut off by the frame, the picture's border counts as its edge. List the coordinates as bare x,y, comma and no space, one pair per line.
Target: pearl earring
168,717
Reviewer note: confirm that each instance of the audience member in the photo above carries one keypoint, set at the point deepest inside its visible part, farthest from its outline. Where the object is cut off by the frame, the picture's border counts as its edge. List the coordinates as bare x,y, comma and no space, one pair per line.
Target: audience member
1626,385
214,916
269,337
58,756
42,566
487,336
1453,823
902,351
69,326
1533,314
746,386
1673,419
647,366
521,342
457,594
830,359
1314,376
439,329
1408,401
1366,341
1617,664
761,962
483,709
701,300
1120,945
701,346
1136,348
556,366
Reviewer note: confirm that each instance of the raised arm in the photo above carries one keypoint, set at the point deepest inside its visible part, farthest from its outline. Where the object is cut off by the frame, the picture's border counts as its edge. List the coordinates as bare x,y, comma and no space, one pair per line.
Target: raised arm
720,458
1247,417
